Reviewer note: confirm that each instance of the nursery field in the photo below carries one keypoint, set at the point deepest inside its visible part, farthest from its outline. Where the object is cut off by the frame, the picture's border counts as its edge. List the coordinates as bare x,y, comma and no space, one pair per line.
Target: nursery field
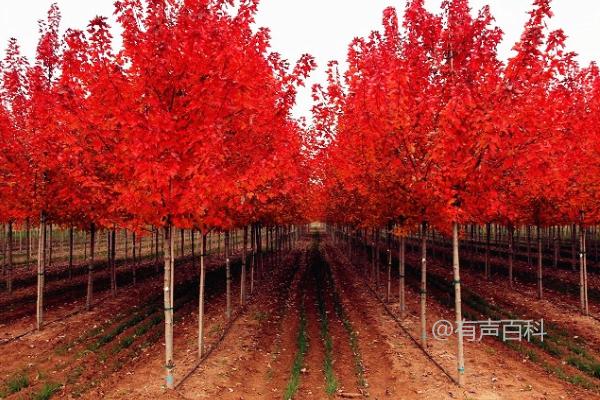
319,323
172,228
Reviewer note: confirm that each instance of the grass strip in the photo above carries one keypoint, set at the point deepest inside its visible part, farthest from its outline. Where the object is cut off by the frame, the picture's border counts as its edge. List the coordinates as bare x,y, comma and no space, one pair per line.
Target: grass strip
302,347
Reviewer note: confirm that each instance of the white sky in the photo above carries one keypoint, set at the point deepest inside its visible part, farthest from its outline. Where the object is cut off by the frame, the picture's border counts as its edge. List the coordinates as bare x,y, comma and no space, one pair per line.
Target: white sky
323,28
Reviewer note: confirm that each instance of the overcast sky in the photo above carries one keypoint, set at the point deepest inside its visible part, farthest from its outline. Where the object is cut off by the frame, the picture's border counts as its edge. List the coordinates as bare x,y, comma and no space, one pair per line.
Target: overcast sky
323,28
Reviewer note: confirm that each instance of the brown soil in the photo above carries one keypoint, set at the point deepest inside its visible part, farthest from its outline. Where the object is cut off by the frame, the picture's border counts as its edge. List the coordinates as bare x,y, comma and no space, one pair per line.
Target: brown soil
245,366
493,371
253,354
61,352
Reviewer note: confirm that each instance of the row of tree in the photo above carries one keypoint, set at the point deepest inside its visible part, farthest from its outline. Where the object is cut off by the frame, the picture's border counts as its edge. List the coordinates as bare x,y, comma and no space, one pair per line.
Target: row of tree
429,128
188,126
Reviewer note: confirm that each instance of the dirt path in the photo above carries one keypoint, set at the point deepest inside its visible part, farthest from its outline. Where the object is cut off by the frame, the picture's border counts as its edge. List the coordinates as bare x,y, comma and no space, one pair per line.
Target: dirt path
312,384
394,366
343,359
241,367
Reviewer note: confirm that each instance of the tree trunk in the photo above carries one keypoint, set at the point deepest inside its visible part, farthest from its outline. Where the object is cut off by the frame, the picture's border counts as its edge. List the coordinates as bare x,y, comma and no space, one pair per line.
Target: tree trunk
540,264
193,244
140,254
488,233
259,247
201,299
108,261
460,357
228,274
402,268
377,259
182,234
583,271
50,245
134,257
423,291
389,275
168,287
41,264
556,247
528,245
70,252
252,256
113,261
90,280
243,277
372,278
573,247
156,243
9,251
511,254
28,245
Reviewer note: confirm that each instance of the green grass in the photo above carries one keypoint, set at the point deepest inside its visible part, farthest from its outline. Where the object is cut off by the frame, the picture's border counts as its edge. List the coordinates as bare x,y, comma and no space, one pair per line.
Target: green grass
123,344
576,380
331,383
359,369
47,391
302,347
590,368
14,384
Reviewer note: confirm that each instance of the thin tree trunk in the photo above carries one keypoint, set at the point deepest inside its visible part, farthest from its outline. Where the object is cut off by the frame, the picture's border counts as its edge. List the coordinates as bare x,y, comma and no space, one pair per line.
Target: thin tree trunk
168,305
423,291
50,244
252,256
585,279
261,265
228,274
113,261
156,255
583,270
460,356
372,278
573,247
377,260
488,233
201,299
511,254
556,248
540,265
182,234
41,264
90,280
243,277
108,254
70,252
402,267
389,274
528,245
9,240
134,257
193,244
28,245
